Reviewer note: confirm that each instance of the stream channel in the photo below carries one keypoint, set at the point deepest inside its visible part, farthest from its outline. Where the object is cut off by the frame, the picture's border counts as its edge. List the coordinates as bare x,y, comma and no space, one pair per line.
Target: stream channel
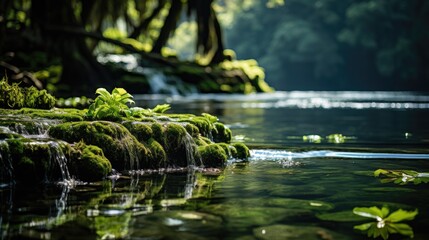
313,160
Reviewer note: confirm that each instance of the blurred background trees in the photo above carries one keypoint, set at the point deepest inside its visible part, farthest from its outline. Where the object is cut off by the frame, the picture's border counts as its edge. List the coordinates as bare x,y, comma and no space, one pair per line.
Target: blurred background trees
337,45
302,44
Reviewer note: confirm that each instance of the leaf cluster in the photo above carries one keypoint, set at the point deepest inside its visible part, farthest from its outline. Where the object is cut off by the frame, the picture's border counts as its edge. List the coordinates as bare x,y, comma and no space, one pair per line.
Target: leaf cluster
385,223
110,106
113,106
402,177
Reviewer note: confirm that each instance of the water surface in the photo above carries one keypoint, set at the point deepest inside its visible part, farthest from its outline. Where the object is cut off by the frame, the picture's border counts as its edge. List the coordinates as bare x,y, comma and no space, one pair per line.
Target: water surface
313,158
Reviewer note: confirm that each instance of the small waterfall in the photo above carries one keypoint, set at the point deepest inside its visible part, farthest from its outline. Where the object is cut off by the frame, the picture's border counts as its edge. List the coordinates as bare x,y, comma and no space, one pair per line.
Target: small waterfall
132,154
192,154
160,83
30,127
58,159
190,184
6,168
57,156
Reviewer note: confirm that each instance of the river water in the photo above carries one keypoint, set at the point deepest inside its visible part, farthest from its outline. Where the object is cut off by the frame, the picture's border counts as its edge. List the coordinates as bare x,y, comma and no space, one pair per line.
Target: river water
313,160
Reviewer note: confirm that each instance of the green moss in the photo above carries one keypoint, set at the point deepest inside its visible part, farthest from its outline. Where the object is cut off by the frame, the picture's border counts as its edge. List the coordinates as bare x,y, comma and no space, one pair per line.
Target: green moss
158,155
158,133
15,97
204,126
226,148
221,133
242,151
192,130
202,141
142,131
56,113
213,155
118,144
90,164
178,145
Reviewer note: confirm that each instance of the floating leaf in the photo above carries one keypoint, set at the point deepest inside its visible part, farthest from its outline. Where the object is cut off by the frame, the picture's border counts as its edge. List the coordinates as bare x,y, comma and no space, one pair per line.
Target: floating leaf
336,138
401,177
402,215
386,224
312,138
372,212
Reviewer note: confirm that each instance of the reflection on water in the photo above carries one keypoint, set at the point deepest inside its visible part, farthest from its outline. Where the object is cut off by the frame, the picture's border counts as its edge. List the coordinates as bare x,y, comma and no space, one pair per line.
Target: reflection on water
291,188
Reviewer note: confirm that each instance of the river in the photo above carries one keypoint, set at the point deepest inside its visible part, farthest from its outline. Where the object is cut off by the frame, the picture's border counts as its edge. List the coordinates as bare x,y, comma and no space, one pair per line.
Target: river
313,160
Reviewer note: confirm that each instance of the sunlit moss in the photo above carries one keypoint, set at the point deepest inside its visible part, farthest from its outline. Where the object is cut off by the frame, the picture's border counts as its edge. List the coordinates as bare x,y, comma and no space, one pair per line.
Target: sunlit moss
213,155
242,151
118,144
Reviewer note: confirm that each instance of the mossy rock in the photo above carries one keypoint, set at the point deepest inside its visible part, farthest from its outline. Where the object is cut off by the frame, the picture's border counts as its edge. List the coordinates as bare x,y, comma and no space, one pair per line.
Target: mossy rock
142,131
122,149
158,155
179,145
213,155
89,163
158,133
65,114
192,130
35,161
242,151
221,133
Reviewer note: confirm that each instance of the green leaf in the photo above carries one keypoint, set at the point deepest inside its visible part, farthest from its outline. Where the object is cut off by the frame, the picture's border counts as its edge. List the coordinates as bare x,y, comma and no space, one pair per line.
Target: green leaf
364,227
119,91
401,228
372,212
402,215
104,93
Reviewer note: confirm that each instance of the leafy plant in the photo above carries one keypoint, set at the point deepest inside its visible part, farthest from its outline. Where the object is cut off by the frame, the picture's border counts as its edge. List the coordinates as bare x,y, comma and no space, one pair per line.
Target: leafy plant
402,177
110,106
385,224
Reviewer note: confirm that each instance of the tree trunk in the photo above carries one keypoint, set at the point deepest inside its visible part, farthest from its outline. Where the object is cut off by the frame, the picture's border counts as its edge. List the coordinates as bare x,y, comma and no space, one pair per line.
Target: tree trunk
169,25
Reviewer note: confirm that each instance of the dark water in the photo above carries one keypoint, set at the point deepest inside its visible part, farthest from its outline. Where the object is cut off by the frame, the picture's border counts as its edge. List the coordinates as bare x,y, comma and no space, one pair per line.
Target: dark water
298,184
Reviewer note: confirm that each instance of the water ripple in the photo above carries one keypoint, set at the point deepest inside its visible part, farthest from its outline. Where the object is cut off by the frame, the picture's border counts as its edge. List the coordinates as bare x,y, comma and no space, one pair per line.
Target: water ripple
276,155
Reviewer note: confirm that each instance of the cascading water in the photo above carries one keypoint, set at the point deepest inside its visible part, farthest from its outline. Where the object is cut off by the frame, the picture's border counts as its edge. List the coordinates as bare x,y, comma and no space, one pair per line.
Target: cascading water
34,132
192,155
159,82
132,154
58,157
6,168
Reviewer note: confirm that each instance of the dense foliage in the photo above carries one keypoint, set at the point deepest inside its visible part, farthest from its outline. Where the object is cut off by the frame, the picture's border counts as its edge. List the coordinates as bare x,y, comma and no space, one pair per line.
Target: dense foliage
15,97
332,45
59,41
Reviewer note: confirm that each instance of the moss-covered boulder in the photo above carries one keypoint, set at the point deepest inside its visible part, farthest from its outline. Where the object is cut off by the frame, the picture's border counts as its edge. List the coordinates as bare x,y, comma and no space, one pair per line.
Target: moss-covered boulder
88,163
242,151
119,146
179,145
213,155
34,161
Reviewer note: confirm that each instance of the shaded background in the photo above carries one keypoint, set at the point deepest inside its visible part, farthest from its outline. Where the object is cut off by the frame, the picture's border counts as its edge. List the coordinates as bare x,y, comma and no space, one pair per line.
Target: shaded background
336,45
